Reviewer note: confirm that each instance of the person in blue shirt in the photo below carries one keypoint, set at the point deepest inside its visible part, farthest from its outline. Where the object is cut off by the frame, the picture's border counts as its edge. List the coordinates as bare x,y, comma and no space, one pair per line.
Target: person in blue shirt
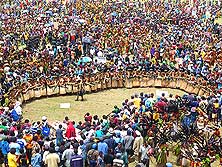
76,160
103,147
99,133
4,146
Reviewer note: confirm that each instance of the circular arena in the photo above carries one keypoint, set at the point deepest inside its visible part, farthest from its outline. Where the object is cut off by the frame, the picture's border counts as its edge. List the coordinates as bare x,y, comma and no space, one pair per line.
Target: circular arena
110,83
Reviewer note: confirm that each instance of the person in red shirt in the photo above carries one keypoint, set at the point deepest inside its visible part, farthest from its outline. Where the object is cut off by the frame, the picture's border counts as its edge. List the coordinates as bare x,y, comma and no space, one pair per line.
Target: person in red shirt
70,131
88,117
161,105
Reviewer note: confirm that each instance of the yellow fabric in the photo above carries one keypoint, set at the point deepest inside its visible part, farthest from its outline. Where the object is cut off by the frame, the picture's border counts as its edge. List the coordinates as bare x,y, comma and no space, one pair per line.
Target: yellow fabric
137,102
156,116
52,160
28,139
12,160
216,105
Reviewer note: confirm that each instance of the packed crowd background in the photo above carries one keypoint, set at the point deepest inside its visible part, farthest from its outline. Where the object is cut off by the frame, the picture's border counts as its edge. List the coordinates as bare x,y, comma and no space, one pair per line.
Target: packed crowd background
42,42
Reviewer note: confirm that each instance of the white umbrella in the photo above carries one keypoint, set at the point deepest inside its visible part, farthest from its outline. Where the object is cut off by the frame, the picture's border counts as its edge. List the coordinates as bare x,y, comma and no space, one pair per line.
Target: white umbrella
82,21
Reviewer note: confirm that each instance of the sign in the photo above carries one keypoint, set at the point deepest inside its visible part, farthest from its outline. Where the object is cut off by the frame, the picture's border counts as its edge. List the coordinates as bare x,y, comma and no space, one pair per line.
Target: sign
65,105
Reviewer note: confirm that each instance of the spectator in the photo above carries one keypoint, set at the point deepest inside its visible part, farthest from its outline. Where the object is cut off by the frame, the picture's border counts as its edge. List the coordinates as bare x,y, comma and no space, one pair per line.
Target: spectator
12,158
36,160
70,131
76,160
52,159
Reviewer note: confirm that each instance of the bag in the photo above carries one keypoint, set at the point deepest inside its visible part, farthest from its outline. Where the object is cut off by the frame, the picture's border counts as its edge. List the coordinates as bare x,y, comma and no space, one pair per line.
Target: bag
45,131
91,156
21,143
118,163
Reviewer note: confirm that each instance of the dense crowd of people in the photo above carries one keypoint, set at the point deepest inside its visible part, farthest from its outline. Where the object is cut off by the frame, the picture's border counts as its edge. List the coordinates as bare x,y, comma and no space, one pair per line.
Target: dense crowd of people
47,43
43,43
139,130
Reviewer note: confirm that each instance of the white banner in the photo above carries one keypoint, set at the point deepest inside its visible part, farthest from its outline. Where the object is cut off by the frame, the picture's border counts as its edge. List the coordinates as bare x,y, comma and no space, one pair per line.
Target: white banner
65,105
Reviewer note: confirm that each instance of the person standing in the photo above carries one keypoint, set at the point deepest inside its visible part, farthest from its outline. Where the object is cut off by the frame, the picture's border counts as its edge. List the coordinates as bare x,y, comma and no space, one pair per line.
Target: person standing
76,160
129,143
52,159
70,131
12,158
67,155
36,160
81,89
28,138
103,147
138,142
59,135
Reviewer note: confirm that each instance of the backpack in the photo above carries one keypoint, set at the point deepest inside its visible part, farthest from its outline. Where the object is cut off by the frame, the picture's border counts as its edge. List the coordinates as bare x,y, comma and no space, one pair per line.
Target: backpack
45,131
92,156
14,115
21,143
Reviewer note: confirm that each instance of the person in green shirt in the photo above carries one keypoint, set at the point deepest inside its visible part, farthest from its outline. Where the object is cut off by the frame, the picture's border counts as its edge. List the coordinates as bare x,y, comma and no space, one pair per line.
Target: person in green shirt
3,126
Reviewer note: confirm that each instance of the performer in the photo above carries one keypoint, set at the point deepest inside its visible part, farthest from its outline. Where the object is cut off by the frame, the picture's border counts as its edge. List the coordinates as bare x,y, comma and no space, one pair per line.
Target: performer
81,89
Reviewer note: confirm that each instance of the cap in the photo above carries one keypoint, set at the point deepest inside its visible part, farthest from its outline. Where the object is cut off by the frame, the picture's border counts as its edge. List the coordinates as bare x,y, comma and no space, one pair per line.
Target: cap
44,118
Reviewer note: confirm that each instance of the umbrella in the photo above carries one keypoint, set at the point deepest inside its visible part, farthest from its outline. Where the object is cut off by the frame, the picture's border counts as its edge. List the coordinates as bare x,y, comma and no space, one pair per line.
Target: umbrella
49,12
114,14
25,11
81,21
136,19
85,59
47,25
86,40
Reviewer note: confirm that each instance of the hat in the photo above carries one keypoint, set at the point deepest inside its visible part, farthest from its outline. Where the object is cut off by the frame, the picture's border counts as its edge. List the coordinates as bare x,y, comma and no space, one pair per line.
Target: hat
138,133
44,118
111,130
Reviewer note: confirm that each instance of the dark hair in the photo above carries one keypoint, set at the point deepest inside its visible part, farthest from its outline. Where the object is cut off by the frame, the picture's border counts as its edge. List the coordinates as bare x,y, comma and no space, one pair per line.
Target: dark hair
52,144
51,150
26,121
12,150
37,150
76,151
35,138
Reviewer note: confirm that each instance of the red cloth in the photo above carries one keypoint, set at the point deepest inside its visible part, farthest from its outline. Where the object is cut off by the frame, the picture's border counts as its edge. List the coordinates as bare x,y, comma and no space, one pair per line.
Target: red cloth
70,131
88,118
161,105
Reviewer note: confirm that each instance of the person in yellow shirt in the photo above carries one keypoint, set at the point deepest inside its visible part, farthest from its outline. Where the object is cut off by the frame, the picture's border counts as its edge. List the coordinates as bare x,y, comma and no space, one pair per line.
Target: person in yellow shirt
137,101
12,158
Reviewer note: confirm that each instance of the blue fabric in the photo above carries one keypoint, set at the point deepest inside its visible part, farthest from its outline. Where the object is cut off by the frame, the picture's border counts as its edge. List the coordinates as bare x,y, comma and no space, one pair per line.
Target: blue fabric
16,146
99,133
45,131
76,161
14,115
4,145
103,147
36,160
110,142
186,122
